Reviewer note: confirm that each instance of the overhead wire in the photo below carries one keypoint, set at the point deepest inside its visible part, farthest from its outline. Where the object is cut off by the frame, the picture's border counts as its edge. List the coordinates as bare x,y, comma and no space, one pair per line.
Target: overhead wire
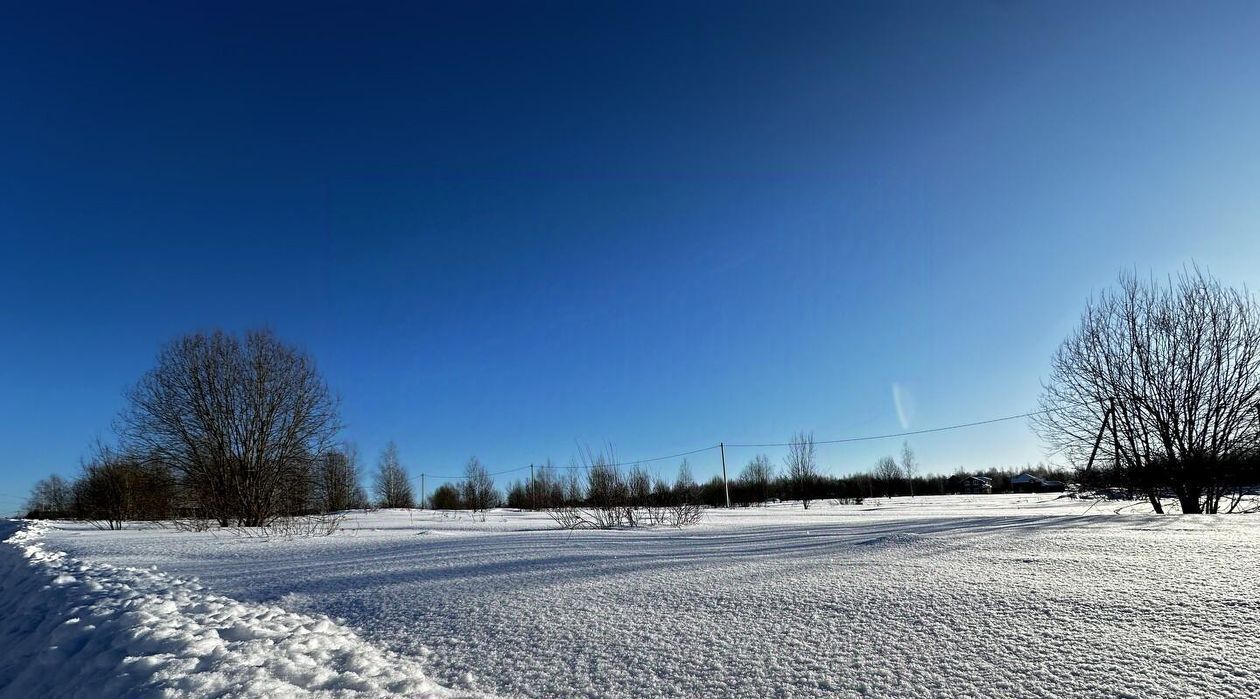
841,440
574,466
909,433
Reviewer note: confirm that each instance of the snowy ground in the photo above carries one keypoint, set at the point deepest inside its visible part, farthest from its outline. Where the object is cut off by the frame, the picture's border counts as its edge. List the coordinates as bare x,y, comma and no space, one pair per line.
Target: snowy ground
980,596
75,628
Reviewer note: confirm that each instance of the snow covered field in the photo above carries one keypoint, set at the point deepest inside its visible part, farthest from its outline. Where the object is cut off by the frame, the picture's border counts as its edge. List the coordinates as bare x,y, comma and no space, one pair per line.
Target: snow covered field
970,596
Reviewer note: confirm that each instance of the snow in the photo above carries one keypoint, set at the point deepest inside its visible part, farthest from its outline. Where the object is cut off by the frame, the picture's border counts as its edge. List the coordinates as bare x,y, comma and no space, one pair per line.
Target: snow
74,628
970,596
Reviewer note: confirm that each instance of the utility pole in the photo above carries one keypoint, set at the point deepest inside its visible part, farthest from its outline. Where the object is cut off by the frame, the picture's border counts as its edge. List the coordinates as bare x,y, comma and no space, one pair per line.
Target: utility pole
725,485
423,495
533,498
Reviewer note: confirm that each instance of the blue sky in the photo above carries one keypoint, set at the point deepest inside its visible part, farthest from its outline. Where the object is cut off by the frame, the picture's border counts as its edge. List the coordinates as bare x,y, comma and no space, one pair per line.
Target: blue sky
507,229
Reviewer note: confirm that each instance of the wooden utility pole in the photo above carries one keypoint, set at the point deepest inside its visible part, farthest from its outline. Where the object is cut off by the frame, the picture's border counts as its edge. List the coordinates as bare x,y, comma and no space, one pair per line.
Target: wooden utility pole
423,495
725,485
533,497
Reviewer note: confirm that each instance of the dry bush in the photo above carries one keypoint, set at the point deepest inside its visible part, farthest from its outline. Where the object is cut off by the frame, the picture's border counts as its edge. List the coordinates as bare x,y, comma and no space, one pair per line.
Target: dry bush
676,515
302,527
569,517
191,524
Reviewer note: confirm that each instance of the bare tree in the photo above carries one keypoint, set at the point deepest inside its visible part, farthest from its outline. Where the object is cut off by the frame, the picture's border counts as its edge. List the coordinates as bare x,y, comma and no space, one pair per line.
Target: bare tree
393,489
639,486
299,488
801,466
336,480
662,492
909,465
573,493
234,418
888,472
117,487
1161,383
544,490
478,488
685,488
50,498
756,477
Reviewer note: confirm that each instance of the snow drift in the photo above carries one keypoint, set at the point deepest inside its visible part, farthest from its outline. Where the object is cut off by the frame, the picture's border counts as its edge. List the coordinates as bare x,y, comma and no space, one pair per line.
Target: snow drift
73,628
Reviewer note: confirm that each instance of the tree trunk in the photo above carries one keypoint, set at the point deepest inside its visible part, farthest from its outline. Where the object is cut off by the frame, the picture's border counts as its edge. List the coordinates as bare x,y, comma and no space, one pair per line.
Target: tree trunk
1190,502
1159,508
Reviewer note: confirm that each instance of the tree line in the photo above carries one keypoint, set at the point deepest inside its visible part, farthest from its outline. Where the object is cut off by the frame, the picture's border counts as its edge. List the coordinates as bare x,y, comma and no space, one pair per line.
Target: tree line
1157,392
798,477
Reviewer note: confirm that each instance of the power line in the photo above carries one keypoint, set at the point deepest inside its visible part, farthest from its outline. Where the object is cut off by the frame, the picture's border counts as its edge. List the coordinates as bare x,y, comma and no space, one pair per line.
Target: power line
571,467
868,438
658,458
440,477
842,440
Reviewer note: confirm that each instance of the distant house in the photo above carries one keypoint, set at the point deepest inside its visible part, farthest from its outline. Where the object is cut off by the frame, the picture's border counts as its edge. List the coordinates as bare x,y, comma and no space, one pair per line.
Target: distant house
1025,483
975,485
1028,483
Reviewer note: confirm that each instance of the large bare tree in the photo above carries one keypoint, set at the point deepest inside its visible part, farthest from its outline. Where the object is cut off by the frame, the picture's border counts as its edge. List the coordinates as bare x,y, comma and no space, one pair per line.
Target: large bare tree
236,418
1161,384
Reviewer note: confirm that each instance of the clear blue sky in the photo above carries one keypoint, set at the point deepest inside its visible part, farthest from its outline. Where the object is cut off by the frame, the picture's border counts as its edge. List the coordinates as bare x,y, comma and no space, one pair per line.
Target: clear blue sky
504,229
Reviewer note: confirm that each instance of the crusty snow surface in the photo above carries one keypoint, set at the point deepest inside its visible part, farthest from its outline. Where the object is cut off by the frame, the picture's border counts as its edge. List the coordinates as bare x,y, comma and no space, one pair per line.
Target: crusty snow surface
969,596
